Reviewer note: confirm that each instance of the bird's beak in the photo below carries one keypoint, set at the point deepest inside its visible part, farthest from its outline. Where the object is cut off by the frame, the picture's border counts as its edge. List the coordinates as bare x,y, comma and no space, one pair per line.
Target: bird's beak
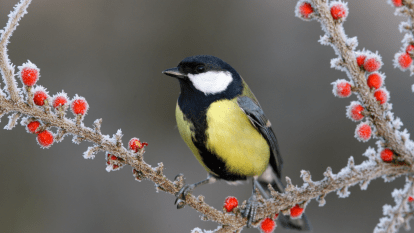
174,72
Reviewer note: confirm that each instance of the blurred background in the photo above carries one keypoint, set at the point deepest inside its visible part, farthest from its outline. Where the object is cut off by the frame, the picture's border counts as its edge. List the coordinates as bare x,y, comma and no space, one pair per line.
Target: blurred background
113,52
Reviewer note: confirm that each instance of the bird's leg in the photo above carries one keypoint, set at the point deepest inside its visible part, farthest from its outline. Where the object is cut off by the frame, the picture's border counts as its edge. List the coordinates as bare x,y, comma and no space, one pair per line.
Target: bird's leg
252,204
188,188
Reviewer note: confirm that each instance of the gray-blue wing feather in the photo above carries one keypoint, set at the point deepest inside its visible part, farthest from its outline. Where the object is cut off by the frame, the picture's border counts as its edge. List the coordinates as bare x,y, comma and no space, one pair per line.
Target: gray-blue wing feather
262,124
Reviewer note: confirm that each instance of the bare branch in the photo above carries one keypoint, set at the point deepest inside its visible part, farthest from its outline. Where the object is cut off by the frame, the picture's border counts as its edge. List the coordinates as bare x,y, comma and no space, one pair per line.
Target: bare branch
7,70
401,213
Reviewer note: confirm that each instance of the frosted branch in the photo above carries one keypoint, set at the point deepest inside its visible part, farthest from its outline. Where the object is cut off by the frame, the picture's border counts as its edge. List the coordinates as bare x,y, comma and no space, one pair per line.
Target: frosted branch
401,213
39,118
7,69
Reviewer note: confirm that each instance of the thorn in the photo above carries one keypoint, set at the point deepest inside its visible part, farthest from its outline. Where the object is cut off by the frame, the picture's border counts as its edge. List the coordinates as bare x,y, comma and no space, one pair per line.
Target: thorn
321,199
97,125
159,169
329,174
289,185
200,198
306,176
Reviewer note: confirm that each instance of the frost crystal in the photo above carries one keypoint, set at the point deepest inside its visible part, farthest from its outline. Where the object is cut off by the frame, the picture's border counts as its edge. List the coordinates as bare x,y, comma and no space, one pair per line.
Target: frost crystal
325,40
91,152
404,27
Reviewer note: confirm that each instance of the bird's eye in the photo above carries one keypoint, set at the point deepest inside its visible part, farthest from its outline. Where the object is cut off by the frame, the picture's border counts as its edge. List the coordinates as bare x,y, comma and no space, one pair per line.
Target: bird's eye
200,69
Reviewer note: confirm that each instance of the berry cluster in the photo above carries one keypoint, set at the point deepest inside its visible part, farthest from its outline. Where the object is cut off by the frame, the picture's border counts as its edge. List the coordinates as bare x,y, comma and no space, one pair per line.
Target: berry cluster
267,225
404,58
136,145
113,163
370,63
37,95
305,10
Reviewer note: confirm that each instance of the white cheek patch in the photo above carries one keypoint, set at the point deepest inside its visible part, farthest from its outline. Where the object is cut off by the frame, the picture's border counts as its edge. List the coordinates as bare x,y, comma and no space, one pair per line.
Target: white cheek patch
211,82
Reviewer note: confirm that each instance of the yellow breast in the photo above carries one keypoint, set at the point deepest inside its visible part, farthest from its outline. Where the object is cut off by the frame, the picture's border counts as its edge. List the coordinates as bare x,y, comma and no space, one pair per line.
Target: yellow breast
232,137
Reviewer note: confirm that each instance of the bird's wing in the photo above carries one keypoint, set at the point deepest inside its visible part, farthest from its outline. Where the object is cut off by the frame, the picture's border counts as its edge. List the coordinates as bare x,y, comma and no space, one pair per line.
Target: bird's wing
257,117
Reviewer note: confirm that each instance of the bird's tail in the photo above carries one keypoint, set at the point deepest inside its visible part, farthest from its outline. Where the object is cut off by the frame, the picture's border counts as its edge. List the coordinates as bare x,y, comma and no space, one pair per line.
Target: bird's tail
269,177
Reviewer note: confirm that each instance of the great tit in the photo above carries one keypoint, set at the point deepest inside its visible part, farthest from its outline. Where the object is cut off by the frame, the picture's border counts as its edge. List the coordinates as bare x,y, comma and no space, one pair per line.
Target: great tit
223,124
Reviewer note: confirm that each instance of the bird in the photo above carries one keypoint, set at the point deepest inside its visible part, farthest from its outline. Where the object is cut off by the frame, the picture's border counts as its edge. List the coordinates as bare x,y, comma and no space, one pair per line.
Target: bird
223,124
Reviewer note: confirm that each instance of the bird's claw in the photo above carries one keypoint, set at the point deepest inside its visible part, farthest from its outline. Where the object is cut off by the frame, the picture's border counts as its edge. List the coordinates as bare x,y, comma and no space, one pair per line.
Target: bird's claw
184,191
250,210
178,176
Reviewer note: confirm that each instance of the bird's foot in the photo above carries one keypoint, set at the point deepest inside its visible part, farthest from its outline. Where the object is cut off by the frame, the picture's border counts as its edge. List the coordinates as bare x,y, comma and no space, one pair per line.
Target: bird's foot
184,191
250,211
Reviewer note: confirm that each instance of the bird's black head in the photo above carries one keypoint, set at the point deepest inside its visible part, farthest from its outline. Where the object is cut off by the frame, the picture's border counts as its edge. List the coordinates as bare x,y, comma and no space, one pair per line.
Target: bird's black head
207,74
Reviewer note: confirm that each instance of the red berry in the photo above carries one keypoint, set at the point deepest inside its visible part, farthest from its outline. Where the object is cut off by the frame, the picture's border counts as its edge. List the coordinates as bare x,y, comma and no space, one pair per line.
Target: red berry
29,73
136,145
363,132
381,95
276,215
59,101
397,3
79,106
360,60
115,166
372,63
296,211
230,203
404,61
29,76
386,155
410,199
374,80
305,9
113,157
32,126
268,225
338,11
45,138
342,88
39,97
354,111
108,162
409,48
